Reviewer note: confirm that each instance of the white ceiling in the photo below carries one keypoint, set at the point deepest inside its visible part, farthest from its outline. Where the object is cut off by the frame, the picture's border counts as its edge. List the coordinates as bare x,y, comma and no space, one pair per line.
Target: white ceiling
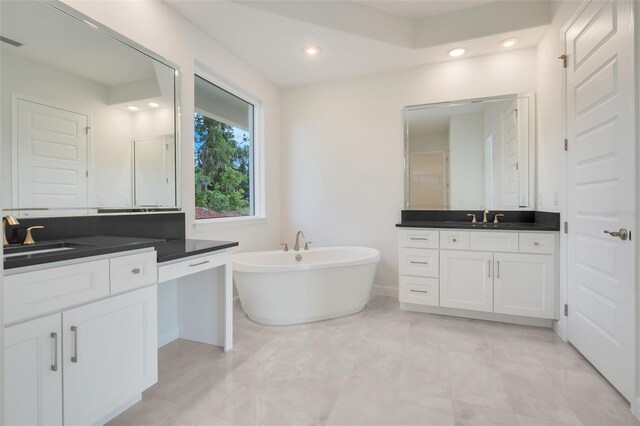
356,38
419,9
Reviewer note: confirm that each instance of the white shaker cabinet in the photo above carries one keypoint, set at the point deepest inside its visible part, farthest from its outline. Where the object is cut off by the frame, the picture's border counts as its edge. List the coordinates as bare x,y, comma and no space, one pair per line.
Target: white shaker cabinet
466,280
33,372
525,284
109,354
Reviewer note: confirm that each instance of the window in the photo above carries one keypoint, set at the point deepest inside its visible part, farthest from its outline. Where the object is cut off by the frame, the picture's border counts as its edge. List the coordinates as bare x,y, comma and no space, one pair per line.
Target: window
224,153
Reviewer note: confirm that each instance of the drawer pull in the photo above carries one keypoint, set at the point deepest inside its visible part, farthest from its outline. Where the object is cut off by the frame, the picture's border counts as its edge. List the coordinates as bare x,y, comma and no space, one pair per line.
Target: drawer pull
536,243
489,268
74,344
455,240
419,291
199,263
135,271
54,351
419,263
498,270
419,239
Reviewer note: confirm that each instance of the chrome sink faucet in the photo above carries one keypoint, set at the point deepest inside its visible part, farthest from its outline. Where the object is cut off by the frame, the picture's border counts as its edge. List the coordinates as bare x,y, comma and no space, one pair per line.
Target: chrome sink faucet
296,247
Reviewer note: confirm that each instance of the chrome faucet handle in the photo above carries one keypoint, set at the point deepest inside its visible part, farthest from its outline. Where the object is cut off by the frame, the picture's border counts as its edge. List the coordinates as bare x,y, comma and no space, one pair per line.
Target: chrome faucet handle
473,218
286,246
306,245
28,239
495,218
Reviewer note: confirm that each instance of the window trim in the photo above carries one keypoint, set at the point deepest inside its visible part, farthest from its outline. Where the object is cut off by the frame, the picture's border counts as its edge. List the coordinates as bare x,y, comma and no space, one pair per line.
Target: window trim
259,206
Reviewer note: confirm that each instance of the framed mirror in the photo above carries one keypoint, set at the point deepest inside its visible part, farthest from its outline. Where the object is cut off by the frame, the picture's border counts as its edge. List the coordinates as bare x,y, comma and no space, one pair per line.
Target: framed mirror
89,118
470,154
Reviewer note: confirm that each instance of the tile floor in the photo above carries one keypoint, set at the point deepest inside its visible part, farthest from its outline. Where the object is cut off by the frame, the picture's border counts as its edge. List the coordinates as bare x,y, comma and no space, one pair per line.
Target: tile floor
381,366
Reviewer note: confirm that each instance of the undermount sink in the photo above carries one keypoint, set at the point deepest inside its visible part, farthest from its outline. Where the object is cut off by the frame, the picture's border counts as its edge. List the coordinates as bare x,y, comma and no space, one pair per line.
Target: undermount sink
38,249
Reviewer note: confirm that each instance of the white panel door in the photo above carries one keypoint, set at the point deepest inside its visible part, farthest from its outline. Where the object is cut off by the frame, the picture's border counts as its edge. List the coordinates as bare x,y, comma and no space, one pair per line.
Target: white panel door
150,171
33,373
510,155
51,156
601,188
466,280
110,354
525,284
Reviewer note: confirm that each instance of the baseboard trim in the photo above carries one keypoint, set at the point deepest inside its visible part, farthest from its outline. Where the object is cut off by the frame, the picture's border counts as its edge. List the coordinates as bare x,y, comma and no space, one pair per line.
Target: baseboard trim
381,290
168,336
635,404
487,316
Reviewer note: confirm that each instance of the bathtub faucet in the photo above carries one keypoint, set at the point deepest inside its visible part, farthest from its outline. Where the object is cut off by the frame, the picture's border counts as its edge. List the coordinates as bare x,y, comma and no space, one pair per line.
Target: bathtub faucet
296,247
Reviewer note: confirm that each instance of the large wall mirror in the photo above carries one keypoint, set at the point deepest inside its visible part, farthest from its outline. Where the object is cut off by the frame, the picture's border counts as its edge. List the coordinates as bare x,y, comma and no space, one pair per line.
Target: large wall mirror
88,117
472,154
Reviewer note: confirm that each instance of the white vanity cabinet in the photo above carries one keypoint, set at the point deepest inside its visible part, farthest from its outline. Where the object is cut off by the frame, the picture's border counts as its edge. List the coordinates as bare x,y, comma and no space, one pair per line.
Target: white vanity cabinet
497,272
465,280
86,354
33,372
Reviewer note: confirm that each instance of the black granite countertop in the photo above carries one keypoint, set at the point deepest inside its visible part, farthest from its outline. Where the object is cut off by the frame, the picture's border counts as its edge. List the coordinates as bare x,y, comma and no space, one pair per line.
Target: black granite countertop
515,226
511,220
178,249
73,248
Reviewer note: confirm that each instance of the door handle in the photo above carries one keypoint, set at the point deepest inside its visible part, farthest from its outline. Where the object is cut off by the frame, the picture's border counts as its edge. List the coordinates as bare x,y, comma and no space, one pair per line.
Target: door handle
623,234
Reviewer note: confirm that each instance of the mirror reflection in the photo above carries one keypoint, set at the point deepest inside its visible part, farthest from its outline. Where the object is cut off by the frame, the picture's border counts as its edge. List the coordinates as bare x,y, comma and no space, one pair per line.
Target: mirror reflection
87,121
469,154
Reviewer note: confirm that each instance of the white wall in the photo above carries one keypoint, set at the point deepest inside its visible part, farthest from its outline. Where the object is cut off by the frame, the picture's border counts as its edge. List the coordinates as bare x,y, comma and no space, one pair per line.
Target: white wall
466,161
157,27
343,147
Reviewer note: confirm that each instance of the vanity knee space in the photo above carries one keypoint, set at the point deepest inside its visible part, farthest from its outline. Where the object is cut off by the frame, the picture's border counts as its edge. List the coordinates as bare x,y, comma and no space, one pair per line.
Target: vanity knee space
510,273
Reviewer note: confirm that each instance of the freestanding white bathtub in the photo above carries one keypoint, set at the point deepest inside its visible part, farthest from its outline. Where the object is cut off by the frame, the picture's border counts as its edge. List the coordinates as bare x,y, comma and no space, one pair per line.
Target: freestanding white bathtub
294,287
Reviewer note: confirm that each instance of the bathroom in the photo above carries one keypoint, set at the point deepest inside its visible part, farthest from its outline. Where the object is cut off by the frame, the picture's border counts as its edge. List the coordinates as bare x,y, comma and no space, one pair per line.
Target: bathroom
330,136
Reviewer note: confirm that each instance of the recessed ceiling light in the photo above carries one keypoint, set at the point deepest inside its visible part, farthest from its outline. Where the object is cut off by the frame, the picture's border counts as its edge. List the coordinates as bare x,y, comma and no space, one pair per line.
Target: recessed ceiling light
132,108
311,50
510,42
153,105
456,52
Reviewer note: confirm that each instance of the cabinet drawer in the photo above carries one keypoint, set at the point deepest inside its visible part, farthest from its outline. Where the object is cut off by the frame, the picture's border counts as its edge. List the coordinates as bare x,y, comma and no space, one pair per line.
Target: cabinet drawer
419,290
418,238
419,262
34,293
192,265
133,271
494,241
454,240
538,243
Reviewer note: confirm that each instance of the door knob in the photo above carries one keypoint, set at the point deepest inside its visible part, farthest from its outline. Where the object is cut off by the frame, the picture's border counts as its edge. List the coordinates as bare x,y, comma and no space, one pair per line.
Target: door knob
622,233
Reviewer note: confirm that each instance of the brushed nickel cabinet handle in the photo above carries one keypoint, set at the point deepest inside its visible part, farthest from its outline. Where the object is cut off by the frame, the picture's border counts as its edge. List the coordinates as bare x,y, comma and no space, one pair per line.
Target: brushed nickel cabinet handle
489,268
135,271
74,344
498,270
198,264
419,263
536,243
418,239
419,291
54,351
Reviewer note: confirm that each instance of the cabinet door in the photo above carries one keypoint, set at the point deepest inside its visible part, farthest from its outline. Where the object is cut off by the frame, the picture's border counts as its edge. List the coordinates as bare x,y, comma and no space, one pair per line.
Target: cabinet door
466,280
33,373
525,284
110,354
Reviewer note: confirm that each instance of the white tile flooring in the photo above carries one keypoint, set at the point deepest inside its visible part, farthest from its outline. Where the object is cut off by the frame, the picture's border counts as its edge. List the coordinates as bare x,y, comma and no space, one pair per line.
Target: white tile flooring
381,366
